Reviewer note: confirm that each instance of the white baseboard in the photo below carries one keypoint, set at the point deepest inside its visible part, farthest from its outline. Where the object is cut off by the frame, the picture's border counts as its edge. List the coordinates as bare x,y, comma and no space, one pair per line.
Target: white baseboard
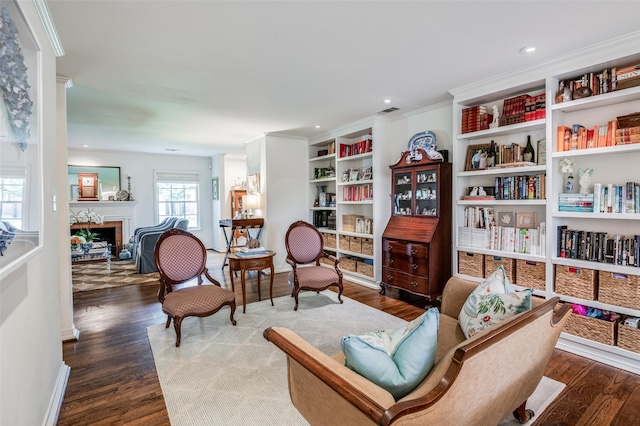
606,354
55,403
70,334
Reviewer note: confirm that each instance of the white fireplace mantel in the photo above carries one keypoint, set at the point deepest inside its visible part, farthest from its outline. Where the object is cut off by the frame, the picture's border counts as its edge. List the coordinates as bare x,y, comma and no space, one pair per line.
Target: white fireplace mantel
111,211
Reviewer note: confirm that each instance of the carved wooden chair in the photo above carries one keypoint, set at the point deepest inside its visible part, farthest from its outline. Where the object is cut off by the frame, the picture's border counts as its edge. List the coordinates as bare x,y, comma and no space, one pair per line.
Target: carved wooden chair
181,257
305,246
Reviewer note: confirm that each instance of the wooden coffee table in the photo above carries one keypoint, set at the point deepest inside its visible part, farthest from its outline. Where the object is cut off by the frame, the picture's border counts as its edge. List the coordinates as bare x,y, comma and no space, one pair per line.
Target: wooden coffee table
256,262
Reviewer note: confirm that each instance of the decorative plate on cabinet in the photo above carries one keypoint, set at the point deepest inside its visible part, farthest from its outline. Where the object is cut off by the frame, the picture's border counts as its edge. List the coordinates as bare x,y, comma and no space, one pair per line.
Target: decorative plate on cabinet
425,140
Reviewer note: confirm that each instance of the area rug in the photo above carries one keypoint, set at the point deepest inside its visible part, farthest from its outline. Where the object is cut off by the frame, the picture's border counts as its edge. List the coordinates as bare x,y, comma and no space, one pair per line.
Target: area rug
95,275
226,375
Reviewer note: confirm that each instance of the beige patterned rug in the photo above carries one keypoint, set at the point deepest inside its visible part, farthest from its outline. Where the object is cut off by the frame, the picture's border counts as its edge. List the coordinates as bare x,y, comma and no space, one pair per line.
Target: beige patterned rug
230,375
95,275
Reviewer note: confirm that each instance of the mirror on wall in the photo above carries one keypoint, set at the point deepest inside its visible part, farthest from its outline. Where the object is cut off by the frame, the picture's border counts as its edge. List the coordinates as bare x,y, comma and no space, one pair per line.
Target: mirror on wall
108,181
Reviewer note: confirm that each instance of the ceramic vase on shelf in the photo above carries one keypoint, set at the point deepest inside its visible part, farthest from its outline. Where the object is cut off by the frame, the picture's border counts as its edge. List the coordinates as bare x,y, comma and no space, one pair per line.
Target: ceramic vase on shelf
568,188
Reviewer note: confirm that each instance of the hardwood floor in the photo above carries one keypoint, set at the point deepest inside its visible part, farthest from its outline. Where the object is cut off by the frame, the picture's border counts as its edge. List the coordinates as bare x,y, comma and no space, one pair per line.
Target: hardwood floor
113,380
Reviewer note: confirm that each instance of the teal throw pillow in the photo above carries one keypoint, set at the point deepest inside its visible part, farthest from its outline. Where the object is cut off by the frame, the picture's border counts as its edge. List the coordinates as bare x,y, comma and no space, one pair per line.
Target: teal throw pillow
396,360
493,301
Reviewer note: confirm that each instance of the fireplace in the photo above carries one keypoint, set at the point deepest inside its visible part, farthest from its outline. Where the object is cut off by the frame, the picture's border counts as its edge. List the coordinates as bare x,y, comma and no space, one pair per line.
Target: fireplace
111,232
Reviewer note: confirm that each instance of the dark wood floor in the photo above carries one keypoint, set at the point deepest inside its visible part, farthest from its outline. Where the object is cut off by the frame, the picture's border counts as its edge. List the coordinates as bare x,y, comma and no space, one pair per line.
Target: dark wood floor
113,379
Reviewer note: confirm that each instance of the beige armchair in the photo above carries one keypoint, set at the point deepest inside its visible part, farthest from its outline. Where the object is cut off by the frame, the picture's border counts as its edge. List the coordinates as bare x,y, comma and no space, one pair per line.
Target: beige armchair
477,381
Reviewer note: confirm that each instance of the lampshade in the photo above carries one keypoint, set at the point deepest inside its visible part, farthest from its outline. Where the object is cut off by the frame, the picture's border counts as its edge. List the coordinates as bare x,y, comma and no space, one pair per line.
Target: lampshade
251,201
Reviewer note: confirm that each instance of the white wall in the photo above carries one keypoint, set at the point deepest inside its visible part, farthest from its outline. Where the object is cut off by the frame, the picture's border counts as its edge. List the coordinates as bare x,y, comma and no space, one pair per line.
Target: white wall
141,168
31,366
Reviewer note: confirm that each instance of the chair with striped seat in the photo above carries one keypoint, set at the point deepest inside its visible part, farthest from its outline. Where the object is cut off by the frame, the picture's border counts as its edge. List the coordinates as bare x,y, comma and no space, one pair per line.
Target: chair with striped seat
305,247
181,257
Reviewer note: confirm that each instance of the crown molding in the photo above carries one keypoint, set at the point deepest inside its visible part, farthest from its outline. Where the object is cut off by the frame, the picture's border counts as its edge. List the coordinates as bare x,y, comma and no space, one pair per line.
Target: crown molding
49,27
68,84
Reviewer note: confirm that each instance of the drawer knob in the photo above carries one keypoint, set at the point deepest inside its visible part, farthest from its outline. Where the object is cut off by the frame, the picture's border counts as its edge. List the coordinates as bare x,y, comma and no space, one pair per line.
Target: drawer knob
414,284
389,246
414,266
389,277
391,261
414,251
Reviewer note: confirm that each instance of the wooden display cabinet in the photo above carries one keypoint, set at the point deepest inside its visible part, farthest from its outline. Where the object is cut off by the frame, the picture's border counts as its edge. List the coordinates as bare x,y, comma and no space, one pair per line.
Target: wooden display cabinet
416,242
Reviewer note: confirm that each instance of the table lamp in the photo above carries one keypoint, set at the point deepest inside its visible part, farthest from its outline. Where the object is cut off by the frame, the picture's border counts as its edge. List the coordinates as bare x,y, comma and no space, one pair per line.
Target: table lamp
250,203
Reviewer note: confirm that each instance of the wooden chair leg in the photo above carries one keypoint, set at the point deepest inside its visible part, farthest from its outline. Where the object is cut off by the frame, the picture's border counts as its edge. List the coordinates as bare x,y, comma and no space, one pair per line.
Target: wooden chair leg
339,293
295,308
168,321
522,414
177,322
233,310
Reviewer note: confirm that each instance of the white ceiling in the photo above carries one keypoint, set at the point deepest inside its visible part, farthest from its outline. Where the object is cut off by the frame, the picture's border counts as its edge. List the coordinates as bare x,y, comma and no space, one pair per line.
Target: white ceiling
204,76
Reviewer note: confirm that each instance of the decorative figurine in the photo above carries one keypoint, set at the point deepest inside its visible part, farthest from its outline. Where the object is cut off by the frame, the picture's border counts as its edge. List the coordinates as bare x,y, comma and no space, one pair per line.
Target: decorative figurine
569,186
585,180
496,122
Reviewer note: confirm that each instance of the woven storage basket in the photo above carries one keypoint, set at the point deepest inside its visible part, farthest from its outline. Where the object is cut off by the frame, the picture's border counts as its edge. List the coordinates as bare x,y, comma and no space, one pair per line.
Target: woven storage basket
491,264
347,264
349,222
471,264
364,269
355,244
619,289
531,274
326,261
329,240
592,328
367,246
343,242
576,282
629,338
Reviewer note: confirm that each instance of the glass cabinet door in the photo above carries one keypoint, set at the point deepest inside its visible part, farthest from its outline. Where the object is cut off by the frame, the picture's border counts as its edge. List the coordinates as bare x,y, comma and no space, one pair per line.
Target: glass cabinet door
402,194
426,193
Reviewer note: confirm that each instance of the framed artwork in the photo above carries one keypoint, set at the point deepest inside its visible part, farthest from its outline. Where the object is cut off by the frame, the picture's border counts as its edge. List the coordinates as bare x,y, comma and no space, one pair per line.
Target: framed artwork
477,157
88,187
20,144
214,191
253,184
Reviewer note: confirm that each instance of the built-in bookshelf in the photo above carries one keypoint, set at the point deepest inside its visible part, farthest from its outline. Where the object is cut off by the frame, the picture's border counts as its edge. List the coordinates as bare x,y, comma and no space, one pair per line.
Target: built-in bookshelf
345,169
589,230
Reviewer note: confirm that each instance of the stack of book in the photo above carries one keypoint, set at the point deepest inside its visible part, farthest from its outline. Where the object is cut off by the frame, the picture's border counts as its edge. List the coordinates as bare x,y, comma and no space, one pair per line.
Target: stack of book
513,110
475,118
575,202
246,251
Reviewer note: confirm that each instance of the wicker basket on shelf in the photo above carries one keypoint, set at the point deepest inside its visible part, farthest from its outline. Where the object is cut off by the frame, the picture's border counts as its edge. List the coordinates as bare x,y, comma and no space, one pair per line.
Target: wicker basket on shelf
491,264
629,338
471,264
364,269
619,289
576,282
531,274
347,264
592,328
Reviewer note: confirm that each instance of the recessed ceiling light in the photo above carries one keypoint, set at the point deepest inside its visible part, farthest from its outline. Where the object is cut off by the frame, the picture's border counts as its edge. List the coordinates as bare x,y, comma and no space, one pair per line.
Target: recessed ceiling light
172,149
85,146
317,126
528,49
387,101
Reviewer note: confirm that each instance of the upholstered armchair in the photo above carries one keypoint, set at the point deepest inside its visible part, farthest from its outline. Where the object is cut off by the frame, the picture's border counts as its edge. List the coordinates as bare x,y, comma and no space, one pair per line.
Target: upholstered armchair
167,223
476,381
305,247
144,254
181,257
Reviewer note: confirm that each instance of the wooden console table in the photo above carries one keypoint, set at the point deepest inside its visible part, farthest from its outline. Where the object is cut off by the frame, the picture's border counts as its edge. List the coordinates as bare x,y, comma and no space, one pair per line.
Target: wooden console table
257,263
233,225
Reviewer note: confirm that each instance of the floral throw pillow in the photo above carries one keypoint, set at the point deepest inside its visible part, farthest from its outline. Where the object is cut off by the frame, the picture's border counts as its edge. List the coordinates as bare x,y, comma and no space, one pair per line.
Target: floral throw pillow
494,300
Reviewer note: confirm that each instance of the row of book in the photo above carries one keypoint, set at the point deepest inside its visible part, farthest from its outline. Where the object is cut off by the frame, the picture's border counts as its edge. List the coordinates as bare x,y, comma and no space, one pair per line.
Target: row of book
520,187
575,137
598,247
475,118
357,192
627,135
521,108
362,147
503,238
604,199
592,84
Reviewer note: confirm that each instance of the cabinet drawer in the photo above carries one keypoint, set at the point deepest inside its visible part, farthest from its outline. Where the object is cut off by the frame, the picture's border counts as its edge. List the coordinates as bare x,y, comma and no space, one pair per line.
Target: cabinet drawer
407,281
412,265
409,249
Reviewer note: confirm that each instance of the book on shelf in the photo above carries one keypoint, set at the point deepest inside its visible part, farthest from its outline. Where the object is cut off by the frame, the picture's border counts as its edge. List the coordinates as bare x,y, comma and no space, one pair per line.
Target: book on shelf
599,247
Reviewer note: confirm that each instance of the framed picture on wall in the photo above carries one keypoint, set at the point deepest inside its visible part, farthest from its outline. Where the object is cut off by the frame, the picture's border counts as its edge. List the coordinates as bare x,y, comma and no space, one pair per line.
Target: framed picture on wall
253,184
214,190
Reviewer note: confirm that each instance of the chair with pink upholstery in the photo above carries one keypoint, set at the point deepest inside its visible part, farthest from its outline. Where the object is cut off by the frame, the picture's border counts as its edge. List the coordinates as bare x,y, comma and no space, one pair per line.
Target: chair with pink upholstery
181,257
305,246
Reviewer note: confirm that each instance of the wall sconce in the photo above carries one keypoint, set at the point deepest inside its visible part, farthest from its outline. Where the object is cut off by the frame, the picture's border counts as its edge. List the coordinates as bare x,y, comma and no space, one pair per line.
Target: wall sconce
251,202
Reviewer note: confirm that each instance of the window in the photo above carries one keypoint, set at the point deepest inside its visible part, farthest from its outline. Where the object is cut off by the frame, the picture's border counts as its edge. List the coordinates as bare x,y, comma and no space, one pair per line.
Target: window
177,196
12,200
